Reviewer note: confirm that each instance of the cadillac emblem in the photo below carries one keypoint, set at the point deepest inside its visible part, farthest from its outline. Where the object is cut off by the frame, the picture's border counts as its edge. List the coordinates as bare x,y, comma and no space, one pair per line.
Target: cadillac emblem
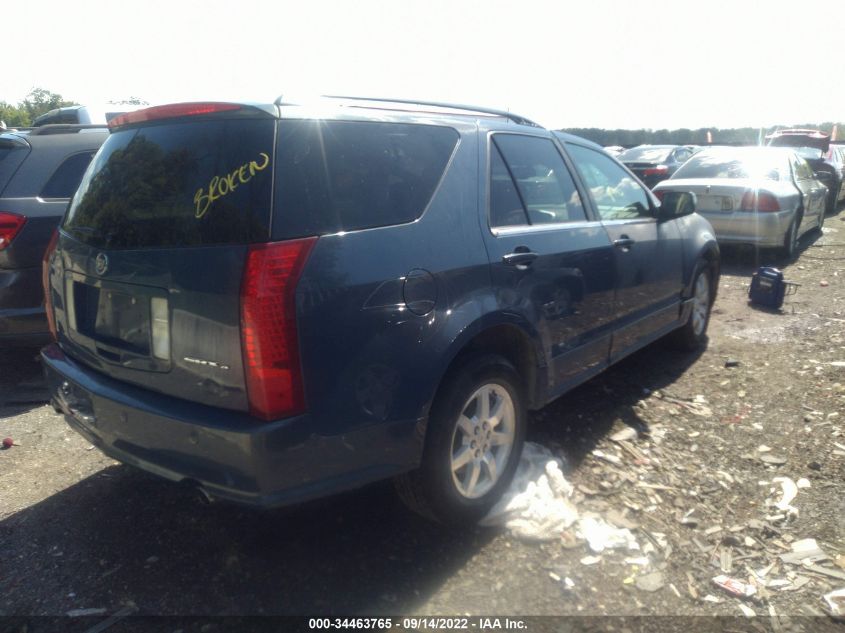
101,264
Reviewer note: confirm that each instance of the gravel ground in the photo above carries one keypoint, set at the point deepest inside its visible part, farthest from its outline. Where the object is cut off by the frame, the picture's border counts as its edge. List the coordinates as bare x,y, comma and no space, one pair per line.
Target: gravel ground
695,486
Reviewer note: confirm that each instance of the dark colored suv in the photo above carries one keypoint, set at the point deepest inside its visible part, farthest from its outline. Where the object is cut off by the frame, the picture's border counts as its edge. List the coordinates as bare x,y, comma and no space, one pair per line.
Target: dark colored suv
40,170
279,302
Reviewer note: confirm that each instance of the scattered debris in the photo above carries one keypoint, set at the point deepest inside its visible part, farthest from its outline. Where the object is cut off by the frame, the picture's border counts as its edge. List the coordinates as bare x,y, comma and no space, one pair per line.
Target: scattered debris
804,552
774,460
789,491
8,442
537,505
734,586
590,560
746,610
650,582
601,536
732,362
836,602
627,434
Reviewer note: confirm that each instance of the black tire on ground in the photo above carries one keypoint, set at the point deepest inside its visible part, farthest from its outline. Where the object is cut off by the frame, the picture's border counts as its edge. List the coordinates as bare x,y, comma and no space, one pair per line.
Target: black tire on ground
790,239
433,489
693,334
821,223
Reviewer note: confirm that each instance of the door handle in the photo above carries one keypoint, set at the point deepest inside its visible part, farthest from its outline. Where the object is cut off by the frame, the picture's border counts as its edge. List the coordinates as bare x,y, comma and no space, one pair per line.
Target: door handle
623,242
519,258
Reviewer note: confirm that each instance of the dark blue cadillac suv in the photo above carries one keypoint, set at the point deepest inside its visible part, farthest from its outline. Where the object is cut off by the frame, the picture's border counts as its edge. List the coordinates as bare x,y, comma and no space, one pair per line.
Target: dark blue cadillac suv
279,302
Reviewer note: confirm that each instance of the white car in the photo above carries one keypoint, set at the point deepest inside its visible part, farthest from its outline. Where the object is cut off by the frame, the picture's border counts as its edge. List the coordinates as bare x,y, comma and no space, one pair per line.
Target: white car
765,196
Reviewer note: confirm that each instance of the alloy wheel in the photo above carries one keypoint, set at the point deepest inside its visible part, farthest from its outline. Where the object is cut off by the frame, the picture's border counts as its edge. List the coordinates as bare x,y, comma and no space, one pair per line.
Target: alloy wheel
482,440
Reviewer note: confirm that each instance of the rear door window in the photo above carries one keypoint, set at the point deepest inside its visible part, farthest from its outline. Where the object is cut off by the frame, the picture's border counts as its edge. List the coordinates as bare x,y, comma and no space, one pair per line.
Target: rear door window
544,185
180,183
334,176
66,178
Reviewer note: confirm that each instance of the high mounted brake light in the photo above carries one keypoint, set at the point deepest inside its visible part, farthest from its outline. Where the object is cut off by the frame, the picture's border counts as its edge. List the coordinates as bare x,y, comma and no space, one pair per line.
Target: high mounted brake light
171,111
268,327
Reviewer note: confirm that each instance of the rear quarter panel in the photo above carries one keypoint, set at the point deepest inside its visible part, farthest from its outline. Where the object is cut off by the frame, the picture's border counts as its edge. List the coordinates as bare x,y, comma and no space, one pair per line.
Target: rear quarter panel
367,358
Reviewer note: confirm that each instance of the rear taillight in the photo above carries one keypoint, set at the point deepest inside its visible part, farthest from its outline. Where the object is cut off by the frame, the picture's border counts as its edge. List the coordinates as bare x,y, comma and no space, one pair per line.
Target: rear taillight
10,225
268,327
656,171
46,263
759,201
172,111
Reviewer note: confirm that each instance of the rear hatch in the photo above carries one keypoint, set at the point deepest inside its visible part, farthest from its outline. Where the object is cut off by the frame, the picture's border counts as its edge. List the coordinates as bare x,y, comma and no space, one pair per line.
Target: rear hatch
146,285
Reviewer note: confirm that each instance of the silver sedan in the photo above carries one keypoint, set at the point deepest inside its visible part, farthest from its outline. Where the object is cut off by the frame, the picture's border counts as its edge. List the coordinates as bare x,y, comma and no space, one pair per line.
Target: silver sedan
764,196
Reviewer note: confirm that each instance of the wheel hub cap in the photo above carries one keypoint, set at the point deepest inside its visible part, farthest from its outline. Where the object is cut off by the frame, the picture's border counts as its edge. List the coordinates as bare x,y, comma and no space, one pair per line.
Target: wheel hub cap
482,440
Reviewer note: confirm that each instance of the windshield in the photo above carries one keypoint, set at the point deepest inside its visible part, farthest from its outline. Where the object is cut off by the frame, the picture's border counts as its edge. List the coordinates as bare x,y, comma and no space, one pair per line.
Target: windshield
645,154
720,165
178,184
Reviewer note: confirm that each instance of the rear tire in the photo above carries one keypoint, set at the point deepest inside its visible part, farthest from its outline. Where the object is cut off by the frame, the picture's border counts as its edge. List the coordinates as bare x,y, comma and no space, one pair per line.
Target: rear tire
474,440
693,334
790,240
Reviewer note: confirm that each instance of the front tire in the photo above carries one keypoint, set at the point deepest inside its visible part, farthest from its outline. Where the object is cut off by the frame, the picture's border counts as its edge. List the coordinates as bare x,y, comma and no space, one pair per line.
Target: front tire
474,440
693,334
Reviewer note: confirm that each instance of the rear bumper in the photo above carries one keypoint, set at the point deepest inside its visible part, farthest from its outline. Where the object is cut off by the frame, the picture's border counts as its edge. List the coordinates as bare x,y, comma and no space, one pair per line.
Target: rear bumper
22,317
760,229
228,454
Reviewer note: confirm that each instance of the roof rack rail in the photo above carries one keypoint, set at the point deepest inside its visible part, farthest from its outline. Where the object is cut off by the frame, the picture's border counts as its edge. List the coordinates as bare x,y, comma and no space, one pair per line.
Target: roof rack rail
64,128
521,120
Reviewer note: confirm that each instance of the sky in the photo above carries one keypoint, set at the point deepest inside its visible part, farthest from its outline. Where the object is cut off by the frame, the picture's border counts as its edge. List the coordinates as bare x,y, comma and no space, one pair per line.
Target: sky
582,63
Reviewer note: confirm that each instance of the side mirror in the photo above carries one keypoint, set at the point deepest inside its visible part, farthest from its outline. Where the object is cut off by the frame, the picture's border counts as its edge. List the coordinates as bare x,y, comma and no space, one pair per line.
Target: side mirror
675,204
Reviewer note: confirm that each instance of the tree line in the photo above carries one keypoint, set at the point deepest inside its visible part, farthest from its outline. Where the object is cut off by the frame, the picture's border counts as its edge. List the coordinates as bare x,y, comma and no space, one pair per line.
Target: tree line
685,136
40,101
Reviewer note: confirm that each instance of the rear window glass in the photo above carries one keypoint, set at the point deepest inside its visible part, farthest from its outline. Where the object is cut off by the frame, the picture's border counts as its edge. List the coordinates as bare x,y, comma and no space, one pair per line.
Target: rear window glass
65,179
179,184
336,176
750,165
645,154
12,154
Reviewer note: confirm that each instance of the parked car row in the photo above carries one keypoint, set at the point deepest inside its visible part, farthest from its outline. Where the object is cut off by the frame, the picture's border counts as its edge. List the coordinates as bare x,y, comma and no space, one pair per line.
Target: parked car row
765,196
277,302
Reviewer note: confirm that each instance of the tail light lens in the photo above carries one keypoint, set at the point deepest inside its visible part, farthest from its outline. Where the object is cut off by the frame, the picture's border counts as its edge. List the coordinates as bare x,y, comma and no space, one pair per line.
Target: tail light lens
759,201
656,171
10,225
46,263
268,327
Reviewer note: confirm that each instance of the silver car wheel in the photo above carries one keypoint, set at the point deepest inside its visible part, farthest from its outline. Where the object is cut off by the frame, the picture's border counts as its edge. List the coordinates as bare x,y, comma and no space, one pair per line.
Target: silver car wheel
482,440
700,304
